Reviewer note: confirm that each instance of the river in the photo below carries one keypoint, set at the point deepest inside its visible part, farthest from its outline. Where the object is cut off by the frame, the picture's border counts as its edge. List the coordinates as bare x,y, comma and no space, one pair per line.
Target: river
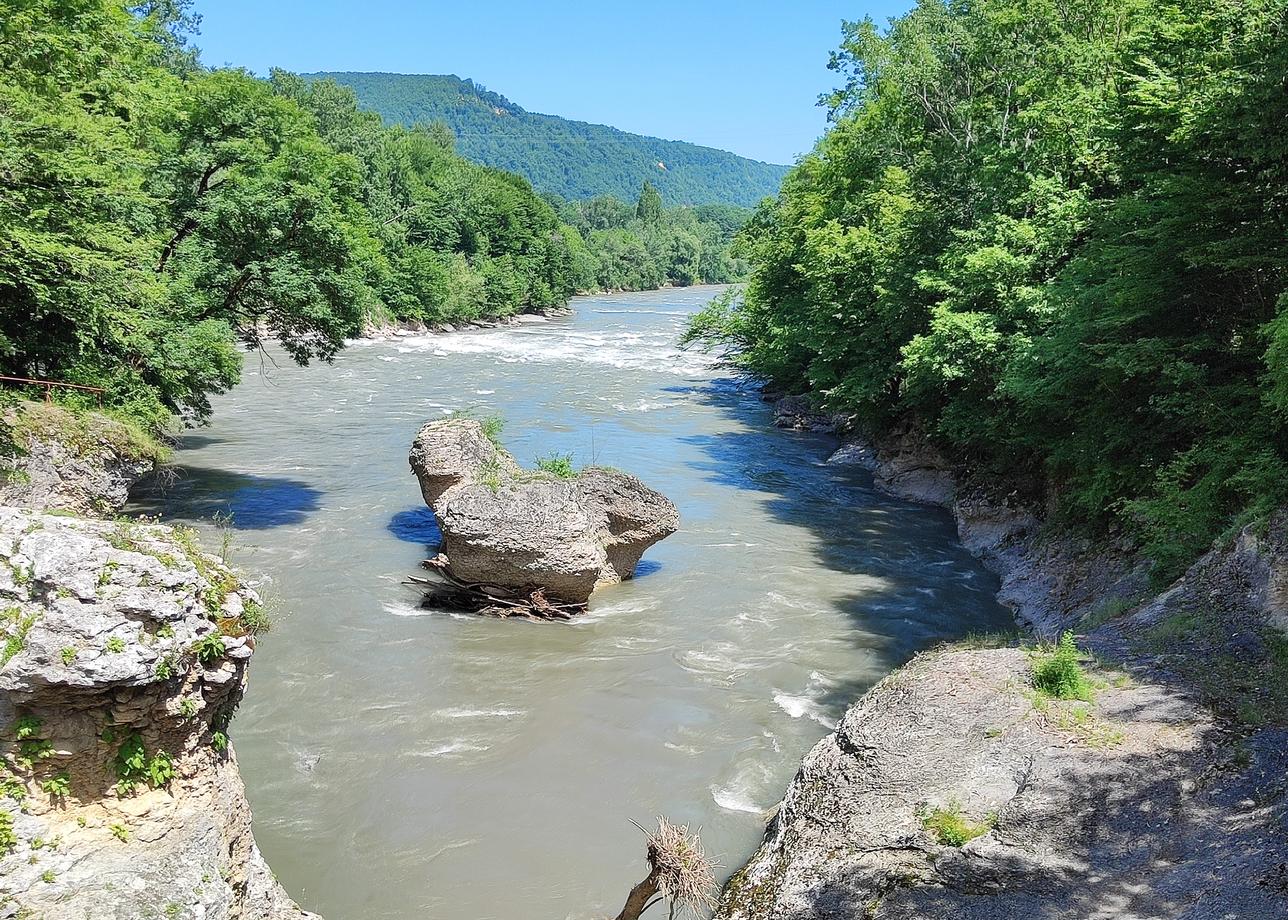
410,763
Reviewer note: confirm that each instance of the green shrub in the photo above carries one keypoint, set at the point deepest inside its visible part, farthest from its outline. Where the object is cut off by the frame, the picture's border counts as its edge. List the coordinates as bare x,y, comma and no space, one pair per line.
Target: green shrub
1059,673
558,465
209,648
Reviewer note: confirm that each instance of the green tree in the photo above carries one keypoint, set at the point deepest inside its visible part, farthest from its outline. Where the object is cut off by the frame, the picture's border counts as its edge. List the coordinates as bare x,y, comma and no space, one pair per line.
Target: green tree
649,206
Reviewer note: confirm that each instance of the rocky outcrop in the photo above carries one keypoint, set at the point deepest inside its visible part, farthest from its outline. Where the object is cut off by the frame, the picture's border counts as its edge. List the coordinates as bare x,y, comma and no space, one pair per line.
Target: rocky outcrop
1134,806
953,790
1052,579
508,528
55,459
125,655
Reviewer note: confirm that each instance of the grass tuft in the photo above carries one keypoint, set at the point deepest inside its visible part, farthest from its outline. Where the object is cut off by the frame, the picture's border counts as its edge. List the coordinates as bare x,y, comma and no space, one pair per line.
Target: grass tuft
1059,673
951,828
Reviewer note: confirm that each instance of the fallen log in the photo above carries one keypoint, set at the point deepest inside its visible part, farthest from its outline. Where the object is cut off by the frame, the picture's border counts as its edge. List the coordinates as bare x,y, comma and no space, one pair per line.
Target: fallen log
451,592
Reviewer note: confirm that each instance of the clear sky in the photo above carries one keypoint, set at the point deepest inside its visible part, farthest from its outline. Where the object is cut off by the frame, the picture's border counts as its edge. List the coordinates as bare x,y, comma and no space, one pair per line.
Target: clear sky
743,76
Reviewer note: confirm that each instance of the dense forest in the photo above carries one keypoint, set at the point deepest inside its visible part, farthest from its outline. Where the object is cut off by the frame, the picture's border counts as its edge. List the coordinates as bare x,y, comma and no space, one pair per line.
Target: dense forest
642,246
1055,235
571,159
157,217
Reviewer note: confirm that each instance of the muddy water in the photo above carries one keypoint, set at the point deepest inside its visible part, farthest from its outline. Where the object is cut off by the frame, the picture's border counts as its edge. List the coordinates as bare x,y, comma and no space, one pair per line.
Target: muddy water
410,763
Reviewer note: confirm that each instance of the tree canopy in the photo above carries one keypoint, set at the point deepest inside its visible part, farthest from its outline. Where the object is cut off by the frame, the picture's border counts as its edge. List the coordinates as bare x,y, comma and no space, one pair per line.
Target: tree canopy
154,215
1054,234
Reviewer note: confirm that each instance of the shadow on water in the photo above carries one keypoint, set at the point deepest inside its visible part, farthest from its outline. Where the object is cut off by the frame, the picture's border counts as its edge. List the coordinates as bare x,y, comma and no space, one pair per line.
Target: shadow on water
252,502
646,567
416,525
921,586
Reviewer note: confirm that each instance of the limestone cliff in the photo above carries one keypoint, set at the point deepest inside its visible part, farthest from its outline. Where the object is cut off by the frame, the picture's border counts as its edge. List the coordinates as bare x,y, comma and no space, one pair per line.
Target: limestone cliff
125,656
83,462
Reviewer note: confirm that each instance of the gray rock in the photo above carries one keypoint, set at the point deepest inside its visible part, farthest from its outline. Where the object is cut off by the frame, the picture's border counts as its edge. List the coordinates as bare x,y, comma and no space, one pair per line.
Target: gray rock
100,623
516,529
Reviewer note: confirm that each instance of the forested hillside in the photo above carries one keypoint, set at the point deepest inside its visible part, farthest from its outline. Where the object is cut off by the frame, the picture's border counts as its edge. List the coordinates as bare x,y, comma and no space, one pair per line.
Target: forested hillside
571,159
1056,235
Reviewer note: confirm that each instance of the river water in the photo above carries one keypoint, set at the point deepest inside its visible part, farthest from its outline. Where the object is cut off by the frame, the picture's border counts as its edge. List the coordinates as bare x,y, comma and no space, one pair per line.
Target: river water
409,763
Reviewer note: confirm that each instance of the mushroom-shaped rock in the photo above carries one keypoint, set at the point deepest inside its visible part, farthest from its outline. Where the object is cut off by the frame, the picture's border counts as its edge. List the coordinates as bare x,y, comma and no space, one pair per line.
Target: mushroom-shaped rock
521,531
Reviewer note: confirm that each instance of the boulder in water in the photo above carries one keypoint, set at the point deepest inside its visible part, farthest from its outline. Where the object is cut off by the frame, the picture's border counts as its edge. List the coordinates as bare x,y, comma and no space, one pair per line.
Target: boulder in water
525,541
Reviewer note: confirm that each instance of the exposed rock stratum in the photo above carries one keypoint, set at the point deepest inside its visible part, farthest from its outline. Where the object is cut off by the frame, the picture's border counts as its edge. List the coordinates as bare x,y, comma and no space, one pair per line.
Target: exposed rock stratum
126,651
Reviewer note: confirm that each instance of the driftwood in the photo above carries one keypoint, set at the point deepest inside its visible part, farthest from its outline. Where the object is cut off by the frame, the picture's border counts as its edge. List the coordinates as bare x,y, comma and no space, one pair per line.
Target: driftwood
446,590
679,872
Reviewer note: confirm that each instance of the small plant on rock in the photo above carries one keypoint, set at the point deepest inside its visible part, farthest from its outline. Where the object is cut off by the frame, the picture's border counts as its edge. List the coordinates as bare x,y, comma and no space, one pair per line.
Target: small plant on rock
167,667
120,832
1059,673
209,648
559,465
951,828
57,786
115,645
68,655
8,839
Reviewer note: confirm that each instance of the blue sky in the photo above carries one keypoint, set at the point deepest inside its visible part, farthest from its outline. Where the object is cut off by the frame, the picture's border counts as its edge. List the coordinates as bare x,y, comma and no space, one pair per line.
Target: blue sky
743,76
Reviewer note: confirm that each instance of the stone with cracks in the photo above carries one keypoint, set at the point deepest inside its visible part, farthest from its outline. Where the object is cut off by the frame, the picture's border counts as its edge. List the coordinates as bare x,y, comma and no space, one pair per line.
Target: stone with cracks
518,530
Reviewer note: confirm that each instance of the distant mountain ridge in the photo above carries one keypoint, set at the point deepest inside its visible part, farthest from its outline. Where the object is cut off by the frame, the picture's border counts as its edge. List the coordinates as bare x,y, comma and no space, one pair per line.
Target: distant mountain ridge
572,159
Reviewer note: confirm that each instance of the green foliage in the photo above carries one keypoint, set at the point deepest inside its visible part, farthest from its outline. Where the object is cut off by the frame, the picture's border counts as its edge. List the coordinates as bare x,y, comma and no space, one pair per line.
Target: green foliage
134,767
559,465
209,648
569,159
951,828
219,741
120,831
68,654
1059,673
1055,235
57,786
645,246
168,666
493,425
16,626
156,217
188,707
115,645
8,839
27,727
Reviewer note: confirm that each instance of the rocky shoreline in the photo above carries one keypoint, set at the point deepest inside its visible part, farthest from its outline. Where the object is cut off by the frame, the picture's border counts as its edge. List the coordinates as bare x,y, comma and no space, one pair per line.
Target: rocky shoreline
1163,796
398,329
125,654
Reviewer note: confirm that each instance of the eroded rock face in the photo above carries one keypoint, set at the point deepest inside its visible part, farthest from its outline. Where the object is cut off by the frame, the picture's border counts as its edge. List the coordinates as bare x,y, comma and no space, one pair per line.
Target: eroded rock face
512,528
62,461
126,655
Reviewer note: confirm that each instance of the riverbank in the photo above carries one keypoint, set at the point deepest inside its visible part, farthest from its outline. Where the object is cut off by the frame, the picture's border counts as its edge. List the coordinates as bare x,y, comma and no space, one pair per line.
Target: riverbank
1159,796
126,654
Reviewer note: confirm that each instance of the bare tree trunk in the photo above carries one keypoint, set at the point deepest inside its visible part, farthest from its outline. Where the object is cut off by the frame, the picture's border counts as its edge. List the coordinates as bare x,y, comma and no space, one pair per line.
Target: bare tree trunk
640,898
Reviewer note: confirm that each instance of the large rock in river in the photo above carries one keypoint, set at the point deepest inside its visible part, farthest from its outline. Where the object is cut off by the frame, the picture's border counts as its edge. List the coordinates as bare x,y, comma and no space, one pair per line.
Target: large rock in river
522,530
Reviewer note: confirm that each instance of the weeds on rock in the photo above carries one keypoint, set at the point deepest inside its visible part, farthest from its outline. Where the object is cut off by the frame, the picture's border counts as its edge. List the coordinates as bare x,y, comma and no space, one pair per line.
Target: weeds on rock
1059,674
951,828
57,786
8,839
559,465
